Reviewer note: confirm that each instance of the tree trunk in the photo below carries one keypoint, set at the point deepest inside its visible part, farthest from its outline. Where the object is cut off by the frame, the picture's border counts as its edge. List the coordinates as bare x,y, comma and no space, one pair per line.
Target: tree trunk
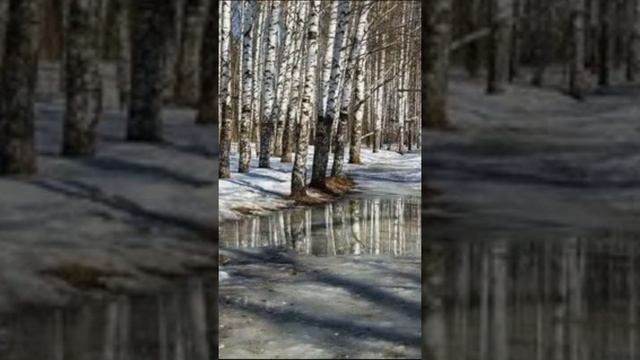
325,121
4,19
359,96
83,92
438,24
225,128
150,21
298,178
123,66
268,121
209,76
577,74
171,50
347,90
634,43
187,70
498,60
605,43
284,79
294,103
18,79
244,146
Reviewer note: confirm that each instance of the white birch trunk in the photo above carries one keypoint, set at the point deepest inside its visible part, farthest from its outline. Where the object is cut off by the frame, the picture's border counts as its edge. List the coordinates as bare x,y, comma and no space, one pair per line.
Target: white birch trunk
359,95
244,145
326,120
267,123
294,102
346,105
298,179
225,129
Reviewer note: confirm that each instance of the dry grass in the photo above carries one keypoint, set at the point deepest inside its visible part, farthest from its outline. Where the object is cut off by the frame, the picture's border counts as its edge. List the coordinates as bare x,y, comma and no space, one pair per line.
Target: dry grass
335,188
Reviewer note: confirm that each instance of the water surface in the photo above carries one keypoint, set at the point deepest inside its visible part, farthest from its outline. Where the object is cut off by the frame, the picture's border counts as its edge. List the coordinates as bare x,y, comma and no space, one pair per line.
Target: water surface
355,226
573,298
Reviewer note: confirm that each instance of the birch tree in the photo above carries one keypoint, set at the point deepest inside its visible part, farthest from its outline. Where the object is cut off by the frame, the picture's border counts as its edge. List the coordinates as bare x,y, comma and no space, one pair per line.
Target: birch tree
4,19
208,64
345,107
267,122
225,128
296,75
188,62
18,78
123,65
83,85
325,120
284,81
577,74
359,93
150,21
634,42
247,77
437,41
298,178
498,54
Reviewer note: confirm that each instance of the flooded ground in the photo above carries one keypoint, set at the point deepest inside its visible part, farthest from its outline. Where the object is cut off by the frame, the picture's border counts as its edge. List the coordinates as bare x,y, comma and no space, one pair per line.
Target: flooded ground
570,299
340,280
533,238
176,323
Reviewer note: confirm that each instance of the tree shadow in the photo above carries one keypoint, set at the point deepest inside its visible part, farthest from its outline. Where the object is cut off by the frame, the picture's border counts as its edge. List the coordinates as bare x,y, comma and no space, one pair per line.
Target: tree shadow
135,169
79,190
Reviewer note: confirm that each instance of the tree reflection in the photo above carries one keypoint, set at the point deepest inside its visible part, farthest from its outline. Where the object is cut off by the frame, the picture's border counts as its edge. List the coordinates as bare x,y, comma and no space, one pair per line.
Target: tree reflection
359,226
572,299
170,326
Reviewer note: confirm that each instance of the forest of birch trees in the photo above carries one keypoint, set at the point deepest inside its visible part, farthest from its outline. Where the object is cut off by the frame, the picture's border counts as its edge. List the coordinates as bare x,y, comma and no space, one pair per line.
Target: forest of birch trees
578,46
336,75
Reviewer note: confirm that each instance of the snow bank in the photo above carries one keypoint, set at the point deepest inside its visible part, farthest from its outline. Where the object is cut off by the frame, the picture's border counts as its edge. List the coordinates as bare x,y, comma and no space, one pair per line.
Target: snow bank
263,190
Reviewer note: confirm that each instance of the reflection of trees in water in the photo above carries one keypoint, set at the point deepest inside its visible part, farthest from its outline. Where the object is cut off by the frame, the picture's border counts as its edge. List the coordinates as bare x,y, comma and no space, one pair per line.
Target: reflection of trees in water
355,226
174,325
573,299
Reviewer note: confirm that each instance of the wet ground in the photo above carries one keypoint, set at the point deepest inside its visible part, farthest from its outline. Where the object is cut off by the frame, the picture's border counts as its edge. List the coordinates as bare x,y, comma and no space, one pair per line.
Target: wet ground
174,323
533,240
335,281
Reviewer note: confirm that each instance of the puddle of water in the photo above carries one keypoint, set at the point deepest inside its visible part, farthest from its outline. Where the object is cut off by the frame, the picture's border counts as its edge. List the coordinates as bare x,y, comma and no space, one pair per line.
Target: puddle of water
356,226
173,325
574,299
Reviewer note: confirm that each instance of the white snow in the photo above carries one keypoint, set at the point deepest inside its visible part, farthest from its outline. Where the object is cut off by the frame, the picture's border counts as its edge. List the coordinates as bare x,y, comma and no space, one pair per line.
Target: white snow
537,159
134,209
263,190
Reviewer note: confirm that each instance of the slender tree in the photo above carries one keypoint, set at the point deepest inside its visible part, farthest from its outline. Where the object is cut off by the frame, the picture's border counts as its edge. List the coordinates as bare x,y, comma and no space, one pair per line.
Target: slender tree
225,128
247,77
188,63
498,54
346,106
437,42
284,80
605,43
577,74
151,20
325,120
298,178
268,121
123,65
296,75
359,93
83,85
634,42
4,19
209,77
18,78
